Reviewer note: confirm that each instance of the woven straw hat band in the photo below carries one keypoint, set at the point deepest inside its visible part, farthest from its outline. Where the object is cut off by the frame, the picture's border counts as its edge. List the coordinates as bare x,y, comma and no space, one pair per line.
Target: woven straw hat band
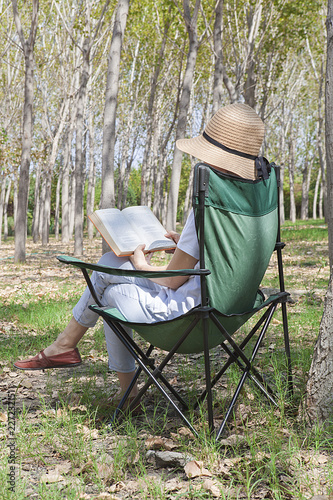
237,127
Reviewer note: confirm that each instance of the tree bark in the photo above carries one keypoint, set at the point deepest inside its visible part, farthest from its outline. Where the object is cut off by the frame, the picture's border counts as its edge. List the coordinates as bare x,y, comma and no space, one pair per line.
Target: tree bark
46,207
315,196
91,177
27,129
2,200
65,200
191,26
57,209
79,150
72,205
128,128
292,213
218,54
329,128
150,116
110,108
5,216
36,214
306,177
319,401
41,205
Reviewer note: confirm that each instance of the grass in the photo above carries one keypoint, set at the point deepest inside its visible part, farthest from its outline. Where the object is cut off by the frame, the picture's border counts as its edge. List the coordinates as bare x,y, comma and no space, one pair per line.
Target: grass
64,448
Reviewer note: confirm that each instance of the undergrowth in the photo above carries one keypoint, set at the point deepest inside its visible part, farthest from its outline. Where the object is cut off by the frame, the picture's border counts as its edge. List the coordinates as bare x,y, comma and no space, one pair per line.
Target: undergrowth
66,449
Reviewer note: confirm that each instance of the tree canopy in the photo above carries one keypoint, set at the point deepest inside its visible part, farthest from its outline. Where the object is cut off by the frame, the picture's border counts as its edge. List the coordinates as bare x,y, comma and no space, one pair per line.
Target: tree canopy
270,54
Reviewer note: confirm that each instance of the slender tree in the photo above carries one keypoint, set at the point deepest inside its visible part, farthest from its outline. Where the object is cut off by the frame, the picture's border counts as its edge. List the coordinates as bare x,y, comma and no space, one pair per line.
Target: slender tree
191,26
27,46
320,384
110,109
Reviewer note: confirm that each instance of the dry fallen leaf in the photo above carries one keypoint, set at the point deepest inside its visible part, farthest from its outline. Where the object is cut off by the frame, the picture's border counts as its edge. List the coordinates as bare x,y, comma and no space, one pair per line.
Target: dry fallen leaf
105,471
196,469
212,487
90,433
233,440
26,383
78,408
84,468
154,443
51,477
173,485
103,496
61,413
64,467
118,486
3,417
158,443
185,431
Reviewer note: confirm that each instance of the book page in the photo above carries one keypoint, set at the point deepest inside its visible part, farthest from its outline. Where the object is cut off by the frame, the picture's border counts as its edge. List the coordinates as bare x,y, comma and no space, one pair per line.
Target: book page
149,229
119,228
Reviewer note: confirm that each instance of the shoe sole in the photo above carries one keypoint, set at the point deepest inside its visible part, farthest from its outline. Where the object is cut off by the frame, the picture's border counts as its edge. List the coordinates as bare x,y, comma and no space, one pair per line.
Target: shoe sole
70,365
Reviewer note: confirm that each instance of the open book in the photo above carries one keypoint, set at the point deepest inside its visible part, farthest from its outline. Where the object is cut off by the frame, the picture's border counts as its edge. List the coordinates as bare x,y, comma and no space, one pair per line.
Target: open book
124,230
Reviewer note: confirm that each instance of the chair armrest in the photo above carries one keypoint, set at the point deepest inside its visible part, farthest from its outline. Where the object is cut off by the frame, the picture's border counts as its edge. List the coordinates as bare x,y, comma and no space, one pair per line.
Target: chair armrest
66,259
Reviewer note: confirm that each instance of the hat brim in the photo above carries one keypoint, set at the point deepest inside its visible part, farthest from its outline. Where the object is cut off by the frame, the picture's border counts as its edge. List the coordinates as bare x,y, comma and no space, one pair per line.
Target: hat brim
213,155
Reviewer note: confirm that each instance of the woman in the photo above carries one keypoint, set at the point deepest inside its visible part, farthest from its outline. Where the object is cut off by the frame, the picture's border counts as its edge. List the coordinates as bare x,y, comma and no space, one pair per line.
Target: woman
230,143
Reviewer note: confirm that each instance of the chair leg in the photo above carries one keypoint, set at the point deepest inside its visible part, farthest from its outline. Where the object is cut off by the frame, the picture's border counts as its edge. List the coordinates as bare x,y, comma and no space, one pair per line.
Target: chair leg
233,356
208,377
290,389
154,373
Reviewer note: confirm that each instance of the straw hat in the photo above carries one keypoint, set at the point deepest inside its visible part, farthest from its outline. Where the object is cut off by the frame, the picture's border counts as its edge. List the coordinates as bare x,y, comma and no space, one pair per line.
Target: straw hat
232,140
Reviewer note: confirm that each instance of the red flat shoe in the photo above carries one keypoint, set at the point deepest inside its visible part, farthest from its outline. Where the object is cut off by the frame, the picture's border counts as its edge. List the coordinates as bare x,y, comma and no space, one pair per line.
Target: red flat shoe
67,359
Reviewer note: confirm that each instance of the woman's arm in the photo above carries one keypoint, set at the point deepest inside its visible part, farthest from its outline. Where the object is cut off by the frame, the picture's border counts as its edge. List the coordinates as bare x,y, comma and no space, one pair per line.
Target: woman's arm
179,260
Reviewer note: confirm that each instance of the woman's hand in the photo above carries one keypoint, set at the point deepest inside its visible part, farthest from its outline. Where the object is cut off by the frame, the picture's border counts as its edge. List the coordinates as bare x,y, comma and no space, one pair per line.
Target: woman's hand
172,235
138,258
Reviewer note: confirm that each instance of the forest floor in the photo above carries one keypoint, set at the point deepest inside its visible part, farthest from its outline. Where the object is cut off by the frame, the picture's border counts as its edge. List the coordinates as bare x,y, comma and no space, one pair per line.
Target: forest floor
63,448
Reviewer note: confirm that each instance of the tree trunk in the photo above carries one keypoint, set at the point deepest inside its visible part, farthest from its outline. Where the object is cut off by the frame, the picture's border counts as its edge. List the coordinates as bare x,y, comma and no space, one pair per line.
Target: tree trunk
41,205
5,216
91,177
79,151
292,213
315,196
319,401
35,217
2,200
110,109
57,208
27,127
305,190
72,205
55,138
46,207
65,203
321,155
15,198
150,116
133,96
321,198
218,53
191,25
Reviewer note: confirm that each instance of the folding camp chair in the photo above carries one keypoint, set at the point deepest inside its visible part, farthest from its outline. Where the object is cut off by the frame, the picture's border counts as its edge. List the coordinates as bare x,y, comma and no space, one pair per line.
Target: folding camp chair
238,229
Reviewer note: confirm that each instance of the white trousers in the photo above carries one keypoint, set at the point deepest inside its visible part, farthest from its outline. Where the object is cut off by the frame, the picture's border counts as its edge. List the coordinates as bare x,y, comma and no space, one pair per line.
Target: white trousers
129,295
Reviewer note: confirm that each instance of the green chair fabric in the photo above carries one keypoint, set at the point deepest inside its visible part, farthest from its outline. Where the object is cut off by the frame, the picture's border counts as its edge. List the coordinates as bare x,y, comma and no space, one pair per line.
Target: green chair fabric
241,223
